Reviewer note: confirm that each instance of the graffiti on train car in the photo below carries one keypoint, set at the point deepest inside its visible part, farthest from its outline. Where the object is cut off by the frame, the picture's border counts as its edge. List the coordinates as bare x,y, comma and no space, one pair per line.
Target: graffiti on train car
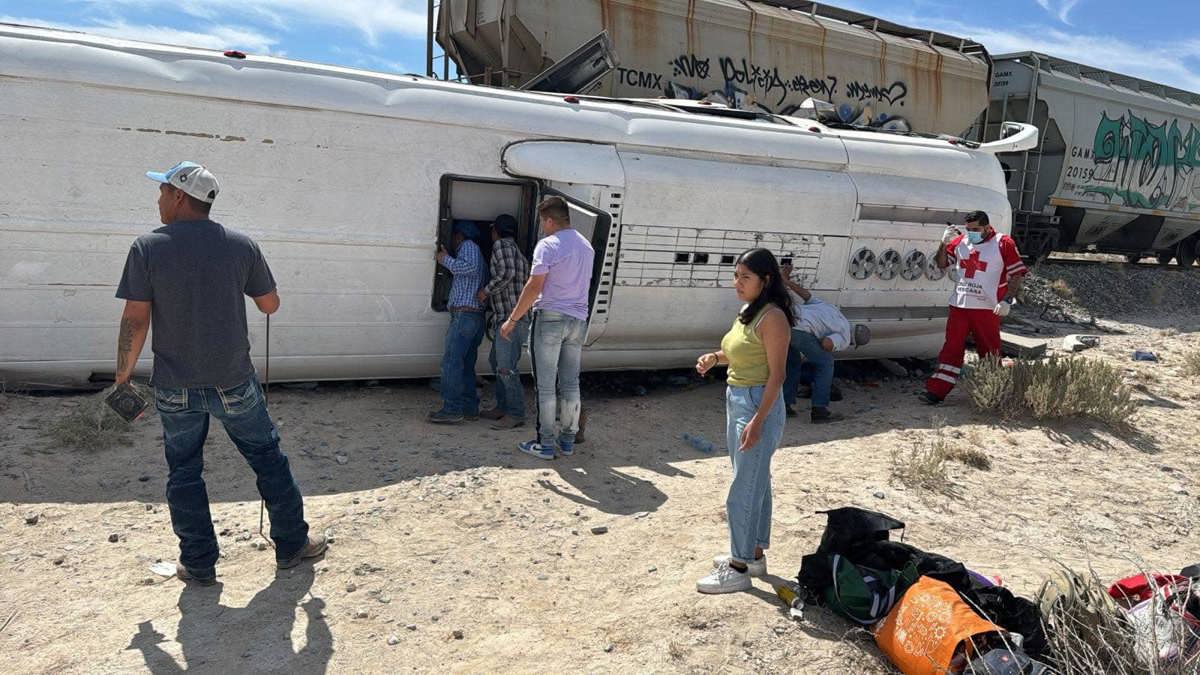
754,86
1136,162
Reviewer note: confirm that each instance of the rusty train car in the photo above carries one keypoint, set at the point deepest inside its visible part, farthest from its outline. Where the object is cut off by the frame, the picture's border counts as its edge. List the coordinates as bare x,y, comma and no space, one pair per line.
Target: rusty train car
766,56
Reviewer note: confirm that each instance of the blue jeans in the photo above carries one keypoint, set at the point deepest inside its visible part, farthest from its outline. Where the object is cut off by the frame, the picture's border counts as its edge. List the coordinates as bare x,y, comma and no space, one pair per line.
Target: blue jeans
505,354
806,346
557,347
748,506
459,396
242,410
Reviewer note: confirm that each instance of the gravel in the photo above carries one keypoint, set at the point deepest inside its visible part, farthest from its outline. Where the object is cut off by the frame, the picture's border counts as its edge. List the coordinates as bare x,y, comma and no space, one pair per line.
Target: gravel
1114,289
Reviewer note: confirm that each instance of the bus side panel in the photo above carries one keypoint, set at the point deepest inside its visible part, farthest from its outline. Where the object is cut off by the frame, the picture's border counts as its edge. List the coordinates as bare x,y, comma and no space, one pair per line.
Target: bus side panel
344,207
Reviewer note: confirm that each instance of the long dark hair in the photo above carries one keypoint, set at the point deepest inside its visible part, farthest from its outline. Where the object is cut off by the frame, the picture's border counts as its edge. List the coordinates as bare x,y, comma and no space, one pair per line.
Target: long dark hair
762,262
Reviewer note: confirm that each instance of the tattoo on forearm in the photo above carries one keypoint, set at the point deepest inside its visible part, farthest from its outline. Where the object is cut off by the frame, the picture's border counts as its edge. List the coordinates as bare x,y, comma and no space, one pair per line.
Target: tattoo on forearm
125,344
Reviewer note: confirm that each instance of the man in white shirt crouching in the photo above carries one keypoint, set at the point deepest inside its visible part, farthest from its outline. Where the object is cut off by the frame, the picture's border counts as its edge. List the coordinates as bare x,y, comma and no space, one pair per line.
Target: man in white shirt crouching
819,331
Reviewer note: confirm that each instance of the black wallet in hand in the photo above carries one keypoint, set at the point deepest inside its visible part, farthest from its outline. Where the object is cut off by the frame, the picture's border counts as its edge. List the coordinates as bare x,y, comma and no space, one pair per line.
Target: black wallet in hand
127,402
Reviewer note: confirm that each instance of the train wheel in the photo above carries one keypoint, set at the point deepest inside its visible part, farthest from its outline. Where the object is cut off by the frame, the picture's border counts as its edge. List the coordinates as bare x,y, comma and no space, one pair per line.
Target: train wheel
1186,255
1164,258
1133,258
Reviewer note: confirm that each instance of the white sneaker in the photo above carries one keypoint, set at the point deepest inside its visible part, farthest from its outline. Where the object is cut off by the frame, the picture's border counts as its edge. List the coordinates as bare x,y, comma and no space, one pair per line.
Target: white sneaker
724,579
756,568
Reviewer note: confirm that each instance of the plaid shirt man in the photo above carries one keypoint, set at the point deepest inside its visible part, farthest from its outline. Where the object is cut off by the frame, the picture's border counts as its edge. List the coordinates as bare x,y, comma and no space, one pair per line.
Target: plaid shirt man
510,270
467,268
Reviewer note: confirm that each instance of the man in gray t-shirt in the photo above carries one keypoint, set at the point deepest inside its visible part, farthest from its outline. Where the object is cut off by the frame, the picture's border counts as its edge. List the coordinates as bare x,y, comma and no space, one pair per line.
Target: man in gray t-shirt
196,275
189,279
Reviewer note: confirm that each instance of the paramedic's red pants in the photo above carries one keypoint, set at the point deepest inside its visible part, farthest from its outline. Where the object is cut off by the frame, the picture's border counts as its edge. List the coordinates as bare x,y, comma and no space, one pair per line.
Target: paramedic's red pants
985,326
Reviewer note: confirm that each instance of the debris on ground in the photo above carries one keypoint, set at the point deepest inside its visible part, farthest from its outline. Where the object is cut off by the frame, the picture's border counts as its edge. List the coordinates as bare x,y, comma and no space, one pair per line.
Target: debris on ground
1078,343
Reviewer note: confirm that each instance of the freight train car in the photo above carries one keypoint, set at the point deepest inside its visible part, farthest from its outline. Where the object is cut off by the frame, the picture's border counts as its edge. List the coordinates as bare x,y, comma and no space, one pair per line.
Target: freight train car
766,56
1118,166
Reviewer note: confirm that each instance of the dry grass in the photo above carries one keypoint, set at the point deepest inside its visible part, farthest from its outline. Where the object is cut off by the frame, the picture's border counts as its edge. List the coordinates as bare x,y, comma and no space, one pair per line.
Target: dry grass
1056,388
1088,633
1147,377
972,457
91,426
1191,363
923,464
1063,290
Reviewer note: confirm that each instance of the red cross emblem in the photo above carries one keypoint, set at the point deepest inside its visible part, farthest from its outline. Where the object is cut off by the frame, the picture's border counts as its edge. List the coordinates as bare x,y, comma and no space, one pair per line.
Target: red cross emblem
972,265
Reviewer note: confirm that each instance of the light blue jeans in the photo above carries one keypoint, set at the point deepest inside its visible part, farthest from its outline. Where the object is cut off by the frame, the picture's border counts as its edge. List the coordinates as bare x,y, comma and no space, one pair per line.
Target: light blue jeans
505,354
556,343
748,506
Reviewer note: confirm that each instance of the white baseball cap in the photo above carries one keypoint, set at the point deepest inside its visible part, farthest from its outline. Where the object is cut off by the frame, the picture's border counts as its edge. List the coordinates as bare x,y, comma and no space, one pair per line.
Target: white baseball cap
190,177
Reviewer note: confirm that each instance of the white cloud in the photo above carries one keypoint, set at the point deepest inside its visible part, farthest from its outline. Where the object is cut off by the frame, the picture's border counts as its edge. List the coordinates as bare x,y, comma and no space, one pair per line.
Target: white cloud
375,19
357,58
216,37
1165,63
1172,63
1059,8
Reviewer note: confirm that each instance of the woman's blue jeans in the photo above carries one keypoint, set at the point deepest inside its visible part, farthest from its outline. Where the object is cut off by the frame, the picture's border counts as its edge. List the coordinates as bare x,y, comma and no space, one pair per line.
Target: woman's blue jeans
748,506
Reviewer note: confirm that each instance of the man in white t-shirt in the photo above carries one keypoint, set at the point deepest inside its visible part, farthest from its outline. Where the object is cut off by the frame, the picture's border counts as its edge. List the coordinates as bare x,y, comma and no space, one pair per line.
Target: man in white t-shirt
990,273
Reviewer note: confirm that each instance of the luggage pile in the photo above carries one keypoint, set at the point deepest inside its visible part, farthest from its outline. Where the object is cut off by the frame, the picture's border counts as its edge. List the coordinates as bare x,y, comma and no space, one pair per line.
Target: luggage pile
931,615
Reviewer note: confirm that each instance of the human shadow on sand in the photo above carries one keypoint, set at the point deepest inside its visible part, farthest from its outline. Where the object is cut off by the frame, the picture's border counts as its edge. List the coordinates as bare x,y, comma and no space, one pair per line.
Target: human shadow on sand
220,639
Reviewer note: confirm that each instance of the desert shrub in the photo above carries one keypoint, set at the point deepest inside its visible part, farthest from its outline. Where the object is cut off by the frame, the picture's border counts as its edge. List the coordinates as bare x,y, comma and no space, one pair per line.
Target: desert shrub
1063,290
972,457
1087,632
1055,388
91,426
1082,625
1191,363
923,463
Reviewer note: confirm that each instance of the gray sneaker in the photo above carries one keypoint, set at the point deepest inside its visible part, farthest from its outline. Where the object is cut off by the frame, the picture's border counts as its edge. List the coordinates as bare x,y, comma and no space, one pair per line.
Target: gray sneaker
507,422
185,575
315,547
440,417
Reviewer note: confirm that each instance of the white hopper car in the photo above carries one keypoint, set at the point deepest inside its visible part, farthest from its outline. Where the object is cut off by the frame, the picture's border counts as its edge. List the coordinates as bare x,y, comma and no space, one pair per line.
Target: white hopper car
348,178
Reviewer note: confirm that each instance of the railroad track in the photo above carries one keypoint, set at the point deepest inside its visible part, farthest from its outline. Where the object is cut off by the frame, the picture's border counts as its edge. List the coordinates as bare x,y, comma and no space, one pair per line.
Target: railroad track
1076,262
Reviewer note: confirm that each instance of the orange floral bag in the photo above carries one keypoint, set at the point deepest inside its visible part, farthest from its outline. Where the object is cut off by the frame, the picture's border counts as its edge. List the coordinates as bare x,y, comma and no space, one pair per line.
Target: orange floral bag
929,630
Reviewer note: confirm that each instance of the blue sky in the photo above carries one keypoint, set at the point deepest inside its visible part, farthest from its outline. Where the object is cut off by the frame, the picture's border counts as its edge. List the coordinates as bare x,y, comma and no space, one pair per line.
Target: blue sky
1153,39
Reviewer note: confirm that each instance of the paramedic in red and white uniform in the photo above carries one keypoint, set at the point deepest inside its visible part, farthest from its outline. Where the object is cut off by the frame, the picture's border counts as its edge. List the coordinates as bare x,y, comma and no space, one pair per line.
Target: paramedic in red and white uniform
990,273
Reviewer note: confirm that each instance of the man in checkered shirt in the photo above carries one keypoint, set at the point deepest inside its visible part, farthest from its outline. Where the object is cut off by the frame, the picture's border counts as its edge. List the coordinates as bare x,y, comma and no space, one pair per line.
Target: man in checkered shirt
509,271
460,399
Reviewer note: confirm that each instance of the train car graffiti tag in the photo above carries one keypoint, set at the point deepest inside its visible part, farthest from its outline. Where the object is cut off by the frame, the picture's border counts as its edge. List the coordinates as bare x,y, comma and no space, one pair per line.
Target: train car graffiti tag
892,94
690,65
1142,164
752,86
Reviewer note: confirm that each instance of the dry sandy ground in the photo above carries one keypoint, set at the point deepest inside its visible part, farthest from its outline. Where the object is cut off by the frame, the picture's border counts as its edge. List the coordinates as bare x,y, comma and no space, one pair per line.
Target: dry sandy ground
452,551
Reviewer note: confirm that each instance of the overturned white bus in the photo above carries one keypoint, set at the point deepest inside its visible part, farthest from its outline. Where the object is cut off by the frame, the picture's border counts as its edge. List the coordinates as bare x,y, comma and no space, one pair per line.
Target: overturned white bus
348,178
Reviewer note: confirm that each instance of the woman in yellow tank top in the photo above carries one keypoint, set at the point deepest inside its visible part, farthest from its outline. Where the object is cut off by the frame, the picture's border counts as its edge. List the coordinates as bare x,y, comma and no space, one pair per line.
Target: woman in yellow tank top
755,349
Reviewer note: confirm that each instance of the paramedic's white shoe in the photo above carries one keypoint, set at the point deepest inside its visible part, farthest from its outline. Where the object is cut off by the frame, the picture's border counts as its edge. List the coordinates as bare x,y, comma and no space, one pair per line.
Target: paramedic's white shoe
757,568
724,579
